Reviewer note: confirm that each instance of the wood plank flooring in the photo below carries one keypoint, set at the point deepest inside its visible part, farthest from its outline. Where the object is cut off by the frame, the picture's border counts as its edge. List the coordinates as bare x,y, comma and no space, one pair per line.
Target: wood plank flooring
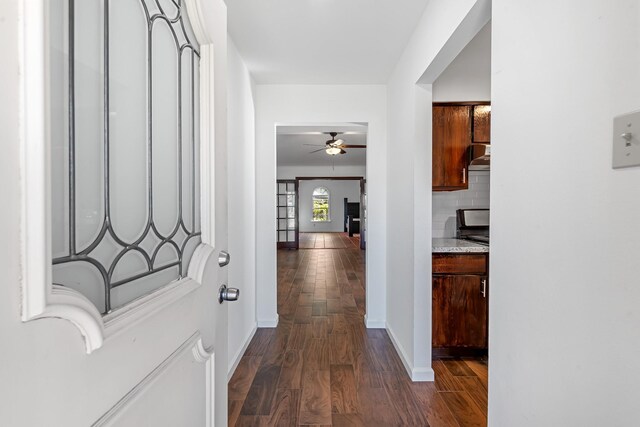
328,241
320,366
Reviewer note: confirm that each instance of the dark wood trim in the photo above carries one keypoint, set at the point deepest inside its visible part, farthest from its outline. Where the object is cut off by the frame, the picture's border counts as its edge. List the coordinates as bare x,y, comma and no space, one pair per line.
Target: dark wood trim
449,352
363,231
435,189
458,104
344,214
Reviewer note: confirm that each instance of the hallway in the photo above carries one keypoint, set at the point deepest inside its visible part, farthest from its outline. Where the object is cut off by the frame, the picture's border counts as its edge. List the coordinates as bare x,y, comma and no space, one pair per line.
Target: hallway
320,366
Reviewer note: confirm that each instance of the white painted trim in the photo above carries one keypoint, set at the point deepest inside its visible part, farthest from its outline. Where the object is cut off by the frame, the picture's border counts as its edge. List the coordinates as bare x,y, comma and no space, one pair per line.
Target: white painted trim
207,144
40,298
144,307
71,305
198,23
34,160
207,356
268,323
200,354
238,356
198,262
424,373
374,324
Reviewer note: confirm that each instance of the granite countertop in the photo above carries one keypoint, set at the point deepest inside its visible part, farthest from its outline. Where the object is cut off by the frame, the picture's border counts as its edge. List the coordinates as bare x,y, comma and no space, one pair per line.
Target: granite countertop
457,246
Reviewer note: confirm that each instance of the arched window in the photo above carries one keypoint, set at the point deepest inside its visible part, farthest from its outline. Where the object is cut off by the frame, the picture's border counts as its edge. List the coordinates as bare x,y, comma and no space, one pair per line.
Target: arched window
320,201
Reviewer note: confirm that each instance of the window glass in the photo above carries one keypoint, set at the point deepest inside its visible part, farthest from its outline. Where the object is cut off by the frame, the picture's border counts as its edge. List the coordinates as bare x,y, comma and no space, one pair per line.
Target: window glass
320,204
124,107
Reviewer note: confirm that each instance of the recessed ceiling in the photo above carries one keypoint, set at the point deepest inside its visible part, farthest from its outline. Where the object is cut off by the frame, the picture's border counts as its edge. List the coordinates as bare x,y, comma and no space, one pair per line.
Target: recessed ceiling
294,145
322,41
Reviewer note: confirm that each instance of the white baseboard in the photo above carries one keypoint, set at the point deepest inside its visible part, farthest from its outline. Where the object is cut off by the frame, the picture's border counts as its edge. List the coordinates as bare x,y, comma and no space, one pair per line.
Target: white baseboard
268,323
374,324
420,374
236,358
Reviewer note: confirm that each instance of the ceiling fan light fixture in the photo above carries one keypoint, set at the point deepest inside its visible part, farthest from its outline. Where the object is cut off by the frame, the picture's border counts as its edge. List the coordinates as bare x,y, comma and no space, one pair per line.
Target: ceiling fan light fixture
332,151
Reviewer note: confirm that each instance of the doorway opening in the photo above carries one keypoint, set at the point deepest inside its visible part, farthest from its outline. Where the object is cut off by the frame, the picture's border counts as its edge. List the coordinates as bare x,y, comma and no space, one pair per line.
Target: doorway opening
461,137
321,223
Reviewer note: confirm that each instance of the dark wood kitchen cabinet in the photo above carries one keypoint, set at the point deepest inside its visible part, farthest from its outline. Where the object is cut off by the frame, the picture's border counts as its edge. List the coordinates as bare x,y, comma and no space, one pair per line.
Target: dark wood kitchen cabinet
451,140
460,306
456,126
482,124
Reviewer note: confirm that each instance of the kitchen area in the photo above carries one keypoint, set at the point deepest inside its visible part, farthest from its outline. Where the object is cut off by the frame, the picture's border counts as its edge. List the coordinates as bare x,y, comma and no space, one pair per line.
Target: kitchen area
461,204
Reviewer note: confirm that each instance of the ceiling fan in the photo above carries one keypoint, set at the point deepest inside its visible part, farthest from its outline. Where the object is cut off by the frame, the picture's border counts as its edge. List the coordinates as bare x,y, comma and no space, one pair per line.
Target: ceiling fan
335,146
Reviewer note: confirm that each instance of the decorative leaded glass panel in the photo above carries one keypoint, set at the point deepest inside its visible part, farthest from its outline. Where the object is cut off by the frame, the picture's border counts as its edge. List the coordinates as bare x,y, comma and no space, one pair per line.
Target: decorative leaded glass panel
124,106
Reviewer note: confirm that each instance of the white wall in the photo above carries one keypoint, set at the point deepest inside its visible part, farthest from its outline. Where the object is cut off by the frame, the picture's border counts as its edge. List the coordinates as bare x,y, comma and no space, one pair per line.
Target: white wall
338,190
242,204
564,332
468,77
293,104
443,31
292,172
445,203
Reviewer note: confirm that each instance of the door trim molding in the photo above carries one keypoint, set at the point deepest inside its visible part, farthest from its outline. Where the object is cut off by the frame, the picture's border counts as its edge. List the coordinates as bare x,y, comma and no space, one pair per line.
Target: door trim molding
40,298
200,354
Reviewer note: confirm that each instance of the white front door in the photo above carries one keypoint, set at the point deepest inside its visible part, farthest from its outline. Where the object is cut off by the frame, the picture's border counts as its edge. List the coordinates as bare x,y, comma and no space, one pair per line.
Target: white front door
115,215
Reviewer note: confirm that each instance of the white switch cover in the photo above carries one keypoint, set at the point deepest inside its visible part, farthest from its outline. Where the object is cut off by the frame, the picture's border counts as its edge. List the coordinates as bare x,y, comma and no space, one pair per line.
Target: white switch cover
626,140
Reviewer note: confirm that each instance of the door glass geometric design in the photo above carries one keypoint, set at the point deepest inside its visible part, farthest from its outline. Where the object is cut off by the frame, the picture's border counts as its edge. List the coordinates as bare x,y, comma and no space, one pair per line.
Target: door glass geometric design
124,139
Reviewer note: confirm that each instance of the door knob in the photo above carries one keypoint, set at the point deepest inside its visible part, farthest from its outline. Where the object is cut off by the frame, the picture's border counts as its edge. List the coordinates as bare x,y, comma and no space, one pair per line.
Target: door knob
228,294
223,258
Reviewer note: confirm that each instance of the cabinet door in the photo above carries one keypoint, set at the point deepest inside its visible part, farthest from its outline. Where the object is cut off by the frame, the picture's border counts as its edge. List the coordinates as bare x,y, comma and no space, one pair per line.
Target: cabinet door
482,124
451,140
459,311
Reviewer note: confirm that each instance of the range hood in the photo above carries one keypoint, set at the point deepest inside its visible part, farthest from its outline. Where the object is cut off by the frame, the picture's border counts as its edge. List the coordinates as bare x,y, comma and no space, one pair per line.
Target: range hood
480,155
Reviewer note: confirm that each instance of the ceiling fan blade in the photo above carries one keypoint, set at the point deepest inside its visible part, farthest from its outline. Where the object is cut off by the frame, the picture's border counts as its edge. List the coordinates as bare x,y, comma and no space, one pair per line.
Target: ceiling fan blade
354,146
314,145
315,151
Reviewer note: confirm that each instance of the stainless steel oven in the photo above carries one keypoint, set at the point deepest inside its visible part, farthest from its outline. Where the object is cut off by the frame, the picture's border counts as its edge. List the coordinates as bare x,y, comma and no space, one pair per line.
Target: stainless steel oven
473,224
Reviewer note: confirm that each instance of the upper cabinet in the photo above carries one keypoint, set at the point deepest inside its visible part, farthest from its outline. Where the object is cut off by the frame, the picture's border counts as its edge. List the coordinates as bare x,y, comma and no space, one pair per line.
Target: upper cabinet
455,127
482,124
451,140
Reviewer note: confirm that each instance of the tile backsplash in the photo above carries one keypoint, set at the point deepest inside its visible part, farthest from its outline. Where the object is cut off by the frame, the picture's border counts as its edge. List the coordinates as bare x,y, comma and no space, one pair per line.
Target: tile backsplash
445,203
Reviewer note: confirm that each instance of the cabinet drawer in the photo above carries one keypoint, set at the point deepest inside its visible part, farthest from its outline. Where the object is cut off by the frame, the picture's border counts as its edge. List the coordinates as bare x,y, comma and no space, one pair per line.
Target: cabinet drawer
460,263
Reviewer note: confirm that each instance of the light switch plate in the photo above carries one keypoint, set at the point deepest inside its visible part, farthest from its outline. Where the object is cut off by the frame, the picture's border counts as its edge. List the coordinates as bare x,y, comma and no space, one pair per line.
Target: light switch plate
626,140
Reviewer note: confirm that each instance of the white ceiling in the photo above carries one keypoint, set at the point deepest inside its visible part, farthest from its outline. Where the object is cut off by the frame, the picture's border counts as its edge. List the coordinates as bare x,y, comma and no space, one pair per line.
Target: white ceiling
322,41
292,148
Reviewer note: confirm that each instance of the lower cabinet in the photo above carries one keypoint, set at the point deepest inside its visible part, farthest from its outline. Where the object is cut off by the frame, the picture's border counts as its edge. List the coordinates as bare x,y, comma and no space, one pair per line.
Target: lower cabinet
460,293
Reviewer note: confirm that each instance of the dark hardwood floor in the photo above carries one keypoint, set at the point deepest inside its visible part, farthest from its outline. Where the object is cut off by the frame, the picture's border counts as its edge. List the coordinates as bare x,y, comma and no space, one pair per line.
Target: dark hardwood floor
320,366
329,241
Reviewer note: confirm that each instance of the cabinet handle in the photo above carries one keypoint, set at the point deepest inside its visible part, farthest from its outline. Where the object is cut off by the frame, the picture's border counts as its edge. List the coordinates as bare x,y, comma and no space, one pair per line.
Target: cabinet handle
464,175
484,288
